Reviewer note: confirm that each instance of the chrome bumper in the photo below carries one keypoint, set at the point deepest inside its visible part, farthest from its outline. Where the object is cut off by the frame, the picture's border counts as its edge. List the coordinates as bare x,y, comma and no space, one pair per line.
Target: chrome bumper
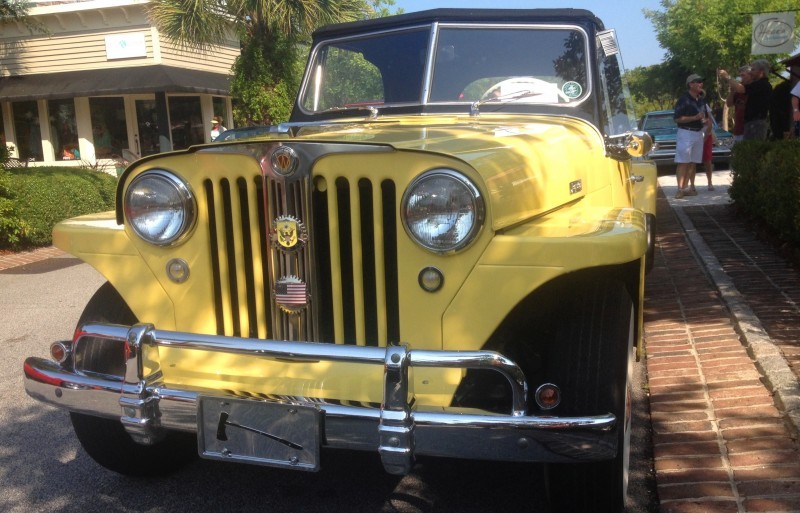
147,406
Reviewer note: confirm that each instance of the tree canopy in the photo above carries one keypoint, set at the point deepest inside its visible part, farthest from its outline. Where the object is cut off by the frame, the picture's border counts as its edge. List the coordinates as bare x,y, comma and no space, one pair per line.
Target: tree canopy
699,37
273,35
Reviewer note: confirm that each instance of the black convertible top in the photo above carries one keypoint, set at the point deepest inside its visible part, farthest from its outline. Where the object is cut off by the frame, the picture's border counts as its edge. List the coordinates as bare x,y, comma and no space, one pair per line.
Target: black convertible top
461,15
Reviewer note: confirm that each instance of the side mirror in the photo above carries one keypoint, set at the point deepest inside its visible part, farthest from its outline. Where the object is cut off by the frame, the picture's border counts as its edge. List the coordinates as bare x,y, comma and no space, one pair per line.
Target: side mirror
639,144
629,144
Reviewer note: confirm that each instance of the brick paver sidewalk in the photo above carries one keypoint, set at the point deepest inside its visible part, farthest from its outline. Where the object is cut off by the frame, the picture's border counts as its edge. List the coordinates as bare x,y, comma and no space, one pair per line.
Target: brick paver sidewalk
7,261
720,443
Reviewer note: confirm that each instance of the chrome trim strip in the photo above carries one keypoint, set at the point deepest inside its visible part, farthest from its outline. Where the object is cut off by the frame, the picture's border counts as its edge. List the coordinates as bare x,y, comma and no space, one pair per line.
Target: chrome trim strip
399,429
427,78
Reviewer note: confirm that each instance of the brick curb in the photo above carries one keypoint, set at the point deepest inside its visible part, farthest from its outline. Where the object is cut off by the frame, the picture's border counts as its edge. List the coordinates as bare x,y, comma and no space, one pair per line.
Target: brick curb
780,379
721,440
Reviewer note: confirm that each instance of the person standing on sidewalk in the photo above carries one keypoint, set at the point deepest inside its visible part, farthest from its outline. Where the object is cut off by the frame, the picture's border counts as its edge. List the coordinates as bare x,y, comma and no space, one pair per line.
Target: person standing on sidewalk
758,93
739,102
708,153
690,116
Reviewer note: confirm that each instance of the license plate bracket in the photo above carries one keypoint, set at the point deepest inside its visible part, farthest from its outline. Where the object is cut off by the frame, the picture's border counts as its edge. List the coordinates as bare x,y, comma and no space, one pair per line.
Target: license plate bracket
276,434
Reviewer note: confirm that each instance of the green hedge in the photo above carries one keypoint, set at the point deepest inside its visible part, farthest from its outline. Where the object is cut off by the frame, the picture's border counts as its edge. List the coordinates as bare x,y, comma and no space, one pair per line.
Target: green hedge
34,199
766,184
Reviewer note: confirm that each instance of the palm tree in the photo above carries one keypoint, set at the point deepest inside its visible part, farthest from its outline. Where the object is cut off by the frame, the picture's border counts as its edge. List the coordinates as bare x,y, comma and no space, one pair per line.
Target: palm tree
200,23
266,74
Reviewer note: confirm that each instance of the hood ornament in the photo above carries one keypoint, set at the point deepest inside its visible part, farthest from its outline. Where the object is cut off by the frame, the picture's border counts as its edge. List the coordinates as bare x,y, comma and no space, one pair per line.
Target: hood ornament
284,160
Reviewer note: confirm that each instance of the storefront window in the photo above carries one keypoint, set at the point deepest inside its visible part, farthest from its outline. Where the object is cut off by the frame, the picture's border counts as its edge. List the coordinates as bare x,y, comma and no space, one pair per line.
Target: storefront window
147,119
186,121
220,108
63,129
109,128
27,129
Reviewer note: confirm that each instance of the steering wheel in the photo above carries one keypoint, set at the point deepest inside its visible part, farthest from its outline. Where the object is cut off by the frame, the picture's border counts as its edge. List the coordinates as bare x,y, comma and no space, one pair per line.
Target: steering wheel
535,86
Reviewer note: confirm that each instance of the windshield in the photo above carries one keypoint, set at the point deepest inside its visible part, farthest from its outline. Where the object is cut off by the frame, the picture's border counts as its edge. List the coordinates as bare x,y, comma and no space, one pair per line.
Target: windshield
504,64
659,122
374,70
480,63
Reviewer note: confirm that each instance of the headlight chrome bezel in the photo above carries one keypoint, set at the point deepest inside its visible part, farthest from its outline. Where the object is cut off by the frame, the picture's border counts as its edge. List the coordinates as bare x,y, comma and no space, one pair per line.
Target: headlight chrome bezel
183,205
477,208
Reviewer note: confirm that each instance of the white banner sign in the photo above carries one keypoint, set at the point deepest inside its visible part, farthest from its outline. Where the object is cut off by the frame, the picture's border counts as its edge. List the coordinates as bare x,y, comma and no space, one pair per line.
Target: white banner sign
125,46
772,33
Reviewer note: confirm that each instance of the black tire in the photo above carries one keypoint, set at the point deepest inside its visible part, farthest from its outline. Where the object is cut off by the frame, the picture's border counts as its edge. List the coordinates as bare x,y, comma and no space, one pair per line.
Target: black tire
594,362
106,440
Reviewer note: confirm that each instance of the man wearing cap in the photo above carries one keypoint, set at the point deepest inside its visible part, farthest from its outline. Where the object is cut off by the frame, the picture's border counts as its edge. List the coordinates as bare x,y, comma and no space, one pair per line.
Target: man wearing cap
690,116
758,93
216,127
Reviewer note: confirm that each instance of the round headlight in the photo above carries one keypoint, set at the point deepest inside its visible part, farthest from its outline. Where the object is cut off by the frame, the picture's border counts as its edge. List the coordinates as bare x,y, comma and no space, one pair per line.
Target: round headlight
442,210
160,207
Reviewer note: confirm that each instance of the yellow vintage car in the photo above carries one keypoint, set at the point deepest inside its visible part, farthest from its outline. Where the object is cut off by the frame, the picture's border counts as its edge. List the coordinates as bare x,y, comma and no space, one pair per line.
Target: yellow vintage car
442,253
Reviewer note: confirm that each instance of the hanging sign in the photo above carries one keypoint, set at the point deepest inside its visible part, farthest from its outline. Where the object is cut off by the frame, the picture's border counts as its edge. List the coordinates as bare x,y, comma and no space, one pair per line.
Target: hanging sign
772,33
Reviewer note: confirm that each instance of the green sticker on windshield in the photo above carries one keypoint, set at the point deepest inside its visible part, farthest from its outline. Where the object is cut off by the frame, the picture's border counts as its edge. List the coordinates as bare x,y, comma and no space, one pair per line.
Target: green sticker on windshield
571,89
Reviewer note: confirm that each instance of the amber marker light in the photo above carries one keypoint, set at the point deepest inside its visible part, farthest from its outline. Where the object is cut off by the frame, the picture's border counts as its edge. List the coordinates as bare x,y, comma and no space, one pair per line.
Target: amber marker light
548,396
431,279
59,352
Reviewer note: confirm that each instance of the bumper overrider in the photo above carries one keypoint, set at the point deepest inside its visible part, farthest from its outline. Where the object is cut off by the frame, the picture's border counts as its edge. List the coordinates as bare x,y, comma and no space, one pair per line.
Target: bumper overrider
288,431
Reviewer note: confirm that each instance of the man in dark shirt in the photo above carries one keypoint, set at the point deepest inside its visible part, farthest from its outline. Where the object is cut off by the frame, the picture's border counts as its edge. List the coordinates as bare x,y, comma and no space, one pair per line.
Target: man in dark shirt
690,116
758,93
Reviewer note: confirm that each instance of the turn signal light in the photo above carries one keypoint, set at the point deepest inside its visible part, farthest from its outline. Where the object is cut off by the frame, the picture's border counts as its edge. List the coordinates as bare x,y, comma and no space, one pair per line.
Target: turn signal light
548,396
59,352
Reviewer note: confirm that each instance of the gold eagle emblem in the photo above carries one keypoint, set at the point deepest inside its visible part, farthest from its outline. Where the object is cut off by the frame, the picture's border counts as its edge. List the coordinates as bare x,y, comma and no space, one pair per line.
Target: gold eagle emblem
288,233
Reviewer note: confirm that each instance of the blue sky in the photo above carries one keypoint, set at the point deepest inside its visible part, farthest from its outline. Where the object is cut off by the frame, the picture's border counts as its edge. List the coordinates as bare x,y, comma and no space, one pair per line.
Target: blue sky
635,33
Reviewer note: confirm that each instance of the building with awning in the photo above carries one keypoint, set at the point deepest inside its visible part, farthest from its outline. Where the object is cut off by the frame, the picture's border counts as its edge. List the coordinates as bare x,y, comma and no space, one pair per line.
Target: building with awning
103,85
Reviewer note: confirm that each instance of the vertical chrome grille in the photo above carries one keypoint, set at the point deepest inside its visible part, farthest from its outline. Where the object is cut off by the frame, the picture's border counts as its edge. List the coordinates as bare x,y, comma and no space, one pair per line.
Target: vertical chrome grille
289,199
355,240
349,264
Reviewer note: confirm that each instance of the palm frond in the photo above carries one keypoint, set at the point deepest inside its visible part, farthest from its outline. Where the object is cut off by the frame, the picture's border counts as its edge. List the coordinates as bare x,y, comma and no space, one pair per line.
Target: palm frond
192,23
301,17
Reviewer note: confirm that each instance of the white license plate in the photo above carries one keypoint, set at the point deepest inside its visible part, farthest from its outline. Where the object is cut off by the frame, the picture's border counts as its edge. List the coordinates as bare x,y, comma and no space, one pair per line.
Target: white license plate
259,432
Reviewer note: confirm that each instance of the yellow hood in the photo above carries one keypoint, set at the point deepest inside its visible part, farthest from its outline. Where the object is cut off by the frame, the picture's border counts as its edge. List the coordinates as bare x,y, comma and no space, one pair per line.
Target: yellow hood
528,165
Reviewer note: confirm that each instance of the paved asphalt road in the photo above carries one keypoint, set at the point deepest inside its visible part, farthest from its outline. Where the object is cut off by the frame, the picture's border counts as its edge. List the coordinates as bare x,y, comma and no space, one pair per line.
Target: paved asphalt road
42,468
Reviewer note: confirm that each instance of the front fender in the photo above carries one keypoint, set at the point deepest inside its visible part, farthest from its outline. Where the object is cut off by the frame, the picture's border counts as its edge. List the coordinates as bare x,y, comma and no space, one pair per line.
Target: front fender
99,241
520,261
645,184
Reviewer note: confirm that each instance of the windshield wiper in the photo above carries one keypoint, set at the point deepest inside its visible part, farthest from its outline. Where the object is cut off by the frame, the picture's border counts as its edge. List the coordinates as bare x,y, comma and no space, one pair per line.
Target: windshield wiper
475,108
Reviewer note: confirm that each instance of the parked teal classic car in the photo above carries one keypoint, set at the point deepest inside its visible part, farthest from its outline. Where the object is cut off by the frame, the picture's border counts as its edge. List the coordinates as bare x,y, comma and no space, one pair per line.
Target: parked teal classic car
660,124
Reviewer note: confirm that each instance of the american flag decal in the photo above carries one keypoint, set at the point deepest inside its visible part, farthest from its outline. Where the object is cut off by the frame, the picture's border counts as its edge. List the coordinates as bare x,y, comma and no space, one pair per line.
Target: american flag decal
291,293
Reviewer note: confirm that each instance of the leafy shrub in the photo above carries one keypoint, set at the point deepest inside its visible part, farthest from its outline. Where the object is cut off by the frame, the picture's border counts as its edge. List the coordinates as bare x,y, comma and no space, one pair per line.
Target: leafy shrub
747,163
5,154
12,228
766,184
39,197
